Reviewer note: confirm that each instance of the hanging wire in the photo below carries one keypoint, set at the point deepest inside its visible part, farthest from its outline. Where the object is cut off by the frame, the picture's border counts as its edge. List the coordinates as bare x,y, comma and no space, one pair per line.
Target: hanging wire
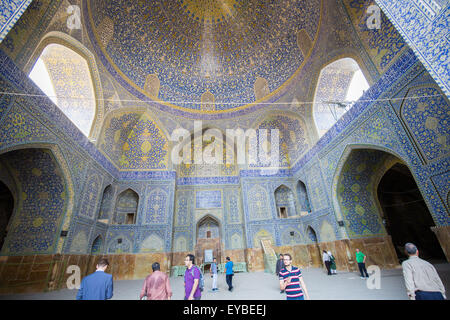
222,103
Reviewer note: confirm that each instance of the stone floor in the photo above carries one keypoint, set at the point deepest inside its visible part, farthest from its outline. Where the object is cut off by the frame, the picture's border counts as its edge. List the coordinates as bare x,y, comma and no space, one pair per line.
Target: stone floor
264,286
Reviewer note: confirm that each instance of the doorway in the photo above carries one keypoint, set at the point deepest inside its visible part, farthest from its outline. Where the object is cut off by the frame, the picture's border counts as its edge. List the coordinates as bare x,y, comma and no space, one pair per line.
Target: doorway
405,214
6,210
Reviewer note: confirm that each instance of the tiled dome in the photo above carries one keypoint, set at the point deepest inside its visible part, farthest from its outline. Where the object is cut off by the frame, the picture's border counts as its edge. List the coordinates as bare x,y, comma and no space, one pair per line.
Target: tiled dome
228,53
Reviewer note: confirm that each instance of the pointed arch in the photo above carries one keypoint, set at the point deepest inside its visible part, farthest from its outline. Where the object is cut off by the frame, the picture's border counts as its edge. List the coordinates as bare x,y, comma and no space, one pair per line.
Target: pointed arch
126,208
67,195
63,39
339,81
97,244
211,220
285,202
303,198
106,204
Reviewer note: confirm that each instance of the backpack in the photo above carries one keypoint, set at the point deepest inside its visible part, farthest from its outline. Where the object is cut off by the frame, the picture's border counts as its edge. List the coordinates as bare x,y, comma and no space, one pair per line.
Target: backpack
201,282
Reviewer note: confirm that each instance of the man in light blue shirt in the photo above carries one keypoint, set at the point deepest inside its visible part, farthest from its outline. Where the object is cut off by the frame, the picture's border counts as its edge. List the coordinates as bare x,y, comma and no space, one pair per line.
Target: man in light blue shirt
229,273
98,285
214,275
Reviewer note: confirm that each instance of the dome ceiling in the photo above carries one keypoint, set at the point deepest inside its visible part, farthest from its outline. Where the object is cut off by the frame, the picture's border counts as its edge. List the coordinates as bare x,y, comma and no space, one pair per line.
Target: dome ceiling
229,53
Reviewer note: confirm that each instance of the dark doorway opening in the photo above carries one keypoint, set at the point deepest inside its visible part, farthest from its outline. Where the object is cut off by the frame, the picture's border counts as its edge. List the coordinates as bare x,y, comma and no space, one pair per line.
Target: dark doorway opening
130,218
406,215
6,210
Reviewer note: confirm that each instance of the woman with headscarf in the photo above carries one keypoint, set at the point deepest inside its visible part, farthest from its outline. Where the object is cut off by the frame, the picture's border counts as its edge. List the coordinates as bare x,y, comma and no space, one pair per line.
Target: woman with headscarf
332,263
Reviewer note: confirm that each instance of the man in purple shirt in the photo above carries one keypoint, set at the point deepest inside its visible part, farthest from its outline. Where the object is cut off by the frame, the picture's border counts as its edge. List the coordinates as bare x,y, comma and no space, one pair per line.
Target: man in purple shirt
191,279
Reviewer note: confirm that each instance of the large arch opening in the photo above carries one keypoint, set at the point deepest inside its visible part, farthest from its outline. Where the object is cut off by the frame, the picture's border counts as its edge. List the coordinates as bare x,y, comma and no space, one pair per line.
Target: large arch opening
6,211
379,197
340,83
405,214
208,243
41,203
64,76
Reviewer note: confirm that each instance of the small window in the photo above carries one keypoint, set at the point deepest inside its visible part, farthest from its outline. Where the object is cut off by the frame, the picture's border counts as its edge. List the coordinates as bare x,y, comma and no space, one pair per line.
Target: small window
283,212
130,218
208,234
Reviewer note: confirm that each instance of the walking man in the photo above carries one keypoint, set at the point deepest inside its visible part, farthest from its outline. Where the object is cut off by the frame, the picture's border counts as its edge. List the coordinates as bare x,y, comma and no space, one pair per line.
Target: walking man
326,261
361,260
229,273
421,279
97,285
214,275
291,280
191,279
280,265
156,286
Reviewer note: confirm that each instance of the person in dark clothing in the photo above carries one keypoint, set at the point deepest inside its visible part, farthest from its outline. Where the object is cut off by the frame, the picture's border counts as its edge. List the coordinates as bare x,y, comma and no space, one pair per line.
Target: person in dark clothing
280,265
229,273
326,261
98,285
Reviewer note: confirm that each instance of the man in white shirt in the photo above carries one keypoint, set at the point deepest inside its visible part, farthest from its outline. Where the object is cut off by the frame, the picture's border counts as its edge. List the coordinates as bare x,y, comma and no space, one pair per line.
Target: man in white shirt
326,261
421,279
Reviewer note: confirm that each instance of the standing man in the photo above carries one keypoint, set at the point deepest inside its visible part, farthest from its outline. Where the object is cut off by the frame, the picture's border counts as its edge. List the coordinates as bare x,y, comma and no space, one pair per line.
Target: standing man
191,279
291,280
156,286
229,273
97,285
326,261
214,275
421,279
280,265
361,260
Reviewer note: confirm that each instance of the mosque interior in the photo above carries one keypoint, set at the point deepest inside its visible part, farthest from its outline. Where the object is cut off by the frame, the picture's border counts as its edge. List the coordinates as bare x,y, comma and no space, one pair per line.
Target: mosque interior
99,101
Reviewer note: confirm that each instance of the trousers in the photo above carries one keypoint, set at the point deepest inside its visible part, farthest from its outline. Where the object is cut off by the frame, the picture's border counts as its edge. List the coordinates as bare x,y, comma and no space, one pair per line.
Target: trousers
362,269
428,295
328,265
229,278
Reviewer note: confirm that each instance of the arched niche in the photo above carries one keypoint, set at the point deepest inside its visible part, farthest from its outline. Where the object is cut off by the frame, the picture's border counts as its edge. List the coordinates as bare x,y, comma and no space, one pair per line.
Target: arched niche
285,202
378,196
64,75
63,39
44,199
303,198
106,205
340,83
126,208
209,239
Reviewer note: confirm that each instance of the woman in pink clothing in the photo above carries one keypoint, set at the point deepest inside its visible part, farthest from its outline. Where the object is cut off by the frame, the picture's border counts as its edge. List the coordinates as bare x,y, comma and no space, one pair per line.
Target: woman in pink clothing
156,286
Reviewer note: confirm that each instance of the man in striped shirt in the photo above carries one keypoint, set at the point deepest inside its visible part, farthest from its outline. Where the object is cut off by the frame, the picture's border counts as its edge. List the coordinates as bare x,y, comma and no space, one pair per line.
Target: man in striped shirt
291,281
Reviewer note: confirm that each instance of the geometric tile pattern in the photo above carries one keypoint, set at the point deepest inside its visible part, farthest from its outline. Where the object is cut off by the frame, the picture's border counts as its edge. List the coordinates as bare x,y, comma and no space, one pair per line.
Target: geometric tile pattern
428,118
10,12
225,55
383,44
424,26
41,205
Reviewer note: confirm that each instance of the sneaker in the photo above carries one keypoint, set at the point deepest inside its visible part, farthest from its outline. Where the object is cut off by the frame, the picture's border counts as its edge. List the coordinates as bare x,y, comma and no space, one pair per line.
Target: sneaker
362,278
